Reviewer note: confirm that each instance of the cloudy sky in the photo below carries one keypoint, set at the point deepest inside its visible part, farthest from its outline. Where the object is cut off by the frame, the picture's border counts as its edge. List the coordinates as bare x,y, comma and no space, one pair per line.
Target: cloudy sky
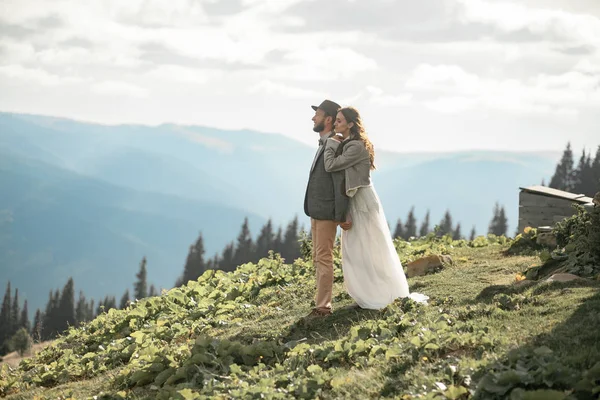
427,75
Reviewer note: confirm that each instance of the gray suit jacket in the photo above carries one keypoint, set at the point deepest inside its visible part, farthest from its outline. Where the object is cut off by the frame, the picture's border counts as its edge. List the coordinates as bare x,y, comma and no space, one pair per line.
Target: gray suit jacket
325,198
353,161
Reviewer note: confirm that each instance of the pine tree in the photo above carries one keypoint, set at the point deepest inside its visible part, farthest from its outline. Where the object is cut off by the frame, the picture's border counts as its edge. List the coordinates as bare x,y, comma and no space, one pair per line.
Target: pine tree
473,234
589,185
36,329
14,314
194,265
105,305
410,228
124,300
140,290
81,314
110,302
445,226
577,174
594,178
244,248
457,235
5,317
24,318
66,307
214,263
499,224
596,171
563,175
399,231
153,292
90,311
100,307
502,223
425,226
264,242
227,262
51,321
291,246
583,176
278,241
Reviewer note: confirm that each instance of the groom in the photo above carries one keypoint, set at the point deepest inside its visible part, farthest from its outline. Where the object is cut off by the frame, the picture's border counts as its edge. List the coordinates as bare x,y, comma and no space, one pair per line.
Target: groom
326,205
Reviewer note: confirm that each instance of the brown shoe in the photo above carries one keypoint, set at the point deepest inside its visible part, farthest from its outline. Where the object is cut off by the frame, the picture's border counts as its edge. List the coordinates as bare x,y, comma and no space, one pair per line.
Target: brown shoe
318,313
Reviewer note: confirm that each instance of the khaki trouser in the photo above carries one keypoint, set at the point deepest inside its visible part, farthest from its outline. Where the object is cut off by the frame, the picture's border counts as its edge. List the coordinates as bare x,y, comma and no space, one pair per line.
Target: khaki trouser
323,239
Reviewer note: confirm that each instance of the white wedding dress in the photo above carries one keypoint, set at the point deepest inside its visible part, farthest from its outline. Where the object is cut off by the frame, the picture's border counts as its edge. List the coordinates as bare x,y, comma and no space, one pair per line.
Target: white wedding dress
373,274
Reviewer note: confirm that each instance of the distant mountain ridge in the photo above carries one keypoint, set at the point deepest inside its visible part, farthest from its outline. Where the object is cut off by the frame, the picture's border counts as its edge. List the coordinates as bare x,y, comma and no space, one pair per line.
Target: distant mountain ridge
140,190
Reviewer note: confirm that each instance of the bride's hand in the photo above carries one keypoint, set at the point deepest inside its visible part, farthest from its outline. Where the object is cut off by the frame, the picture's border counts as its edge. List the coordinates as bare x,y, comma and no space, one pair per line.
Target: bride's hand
346,225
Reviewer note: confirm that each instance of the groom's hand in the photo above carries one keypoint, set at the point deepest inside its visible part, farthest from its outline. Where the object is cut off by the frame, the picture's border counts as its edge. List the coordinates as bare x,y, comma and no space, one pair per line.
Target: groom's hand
346,225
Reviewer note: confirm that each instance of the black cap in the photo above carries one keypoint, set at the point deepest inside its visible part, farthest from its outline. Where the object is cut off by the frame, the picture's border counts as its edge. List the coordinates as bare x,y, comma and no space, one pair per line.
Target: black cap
331,108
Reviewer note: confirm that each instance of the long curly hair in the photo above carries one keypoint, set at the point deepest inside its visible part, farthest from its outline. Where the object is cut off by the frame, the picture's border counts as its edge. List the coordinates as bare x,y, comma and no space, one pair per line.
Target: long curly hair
357,132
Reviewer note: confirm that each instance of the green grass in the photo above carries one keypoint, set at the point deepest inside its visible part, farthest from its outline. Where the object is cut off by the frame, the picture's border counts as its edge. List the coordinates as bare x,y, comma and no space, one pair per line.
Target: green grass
244,335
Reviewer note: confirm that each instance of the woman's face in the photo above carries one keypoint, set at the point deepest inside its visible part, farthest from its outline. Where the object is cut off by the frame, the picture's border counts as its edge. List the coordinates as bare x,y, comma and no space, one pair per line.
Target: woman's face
341,125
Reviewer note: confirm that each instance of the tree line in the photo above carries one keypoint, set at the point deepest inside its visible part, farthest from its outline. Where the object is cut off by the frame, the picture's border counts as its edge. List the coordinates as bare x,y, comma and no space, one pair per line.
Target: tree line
583,178
405,230
243,250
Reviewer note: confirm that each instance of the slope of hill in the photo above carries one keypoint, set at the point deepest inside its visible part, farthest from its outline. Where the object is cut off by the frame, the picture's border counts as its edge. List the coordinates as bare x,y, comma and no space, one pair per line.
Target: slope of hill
243,335
55,223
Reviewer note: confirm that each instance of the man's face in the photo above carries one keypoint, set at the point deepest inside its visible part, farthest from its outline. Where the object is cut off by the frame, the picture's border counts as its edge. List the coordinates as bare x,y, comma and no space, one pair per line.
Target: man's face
319,120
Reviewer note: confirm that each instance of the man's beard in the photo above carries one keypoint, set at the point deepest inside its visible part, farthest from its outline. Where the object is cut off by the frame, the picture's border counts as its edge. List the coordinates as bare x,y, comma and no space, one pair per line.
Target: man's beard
320,127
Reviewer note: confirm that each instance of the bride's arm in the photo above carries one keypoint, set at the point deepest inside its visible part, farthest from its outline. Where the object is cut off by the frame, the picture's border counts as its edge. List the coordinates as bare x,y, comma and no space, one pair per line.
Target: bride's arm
353,153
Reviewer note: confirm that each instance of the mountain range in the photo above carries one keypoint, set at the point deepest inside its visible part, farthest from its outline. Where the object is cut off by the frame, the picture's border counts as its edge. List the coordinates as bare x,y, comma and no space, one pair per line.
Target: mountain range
89,200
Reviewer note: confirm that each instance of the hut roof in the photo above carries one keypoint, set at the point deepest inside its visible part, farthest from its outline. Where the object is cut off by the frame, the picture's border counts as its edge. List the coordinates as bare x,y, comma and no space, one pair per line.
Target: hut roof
561,194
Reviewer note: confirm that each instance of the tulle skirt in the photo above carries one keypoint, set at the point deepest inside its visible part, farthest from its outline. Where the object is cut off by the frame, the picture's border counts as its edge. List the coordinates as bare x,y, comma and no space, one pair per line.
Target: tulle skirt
373,274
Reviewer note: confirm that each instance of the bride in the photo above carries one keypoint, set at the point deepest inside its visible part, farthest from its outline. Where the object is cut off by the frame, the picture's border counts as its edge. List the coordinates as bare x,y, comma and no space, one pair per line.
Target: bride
373,274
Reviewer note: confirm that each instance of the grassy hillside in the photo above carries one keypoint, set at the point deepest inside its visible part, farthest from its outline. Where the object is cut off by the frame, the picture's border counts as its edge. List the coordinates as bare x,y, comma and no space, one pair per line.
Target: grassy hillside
244,335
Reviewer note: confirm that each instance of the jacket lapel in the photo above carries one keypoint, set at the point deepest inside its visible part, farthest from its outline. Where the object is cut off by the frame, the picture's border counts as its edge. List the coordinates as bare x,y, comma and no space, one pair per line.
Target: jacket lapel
320,151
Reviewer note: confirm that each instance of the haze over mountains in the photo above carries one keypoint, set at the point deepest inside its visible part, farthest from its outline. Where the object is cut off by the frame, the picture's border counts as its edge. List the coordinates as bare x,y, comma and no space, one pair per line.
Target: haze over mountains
89,201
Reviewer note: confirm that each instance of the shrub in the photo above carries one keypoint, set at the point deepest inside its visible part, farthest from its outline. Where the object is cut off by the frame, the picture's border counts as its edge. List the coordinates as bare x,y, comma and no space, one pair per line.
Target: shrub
579,238
21,341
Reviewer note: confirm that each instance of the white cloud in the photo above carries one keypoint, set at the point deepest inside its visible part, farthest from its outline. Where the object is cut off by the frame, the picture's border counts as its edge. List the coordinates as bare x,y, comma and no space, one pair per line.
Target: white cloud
119,89
34,75
278,89
378,97
458,90
80,56
313,63
451,105
176,73
589,65
14,52
512,16
509,56
182,13
443,77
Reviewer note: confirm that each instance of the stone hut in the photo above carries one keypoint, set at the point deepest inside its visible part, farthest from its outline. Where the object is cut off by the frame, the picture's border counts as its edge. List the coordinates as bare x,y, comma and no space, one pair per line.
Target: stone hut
544,206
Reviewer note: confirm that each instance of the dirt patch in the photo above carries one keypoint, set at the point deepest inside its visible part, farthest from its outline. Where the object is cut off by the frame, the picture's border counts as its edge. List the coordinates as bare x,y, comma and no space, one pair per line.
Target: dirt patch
13,359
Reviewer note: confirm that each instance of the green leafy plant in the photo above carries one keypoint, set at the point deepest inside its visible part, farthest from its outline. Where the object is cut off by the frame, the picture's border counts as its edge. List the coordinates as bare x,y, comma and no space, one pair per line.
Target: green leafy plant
579,236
